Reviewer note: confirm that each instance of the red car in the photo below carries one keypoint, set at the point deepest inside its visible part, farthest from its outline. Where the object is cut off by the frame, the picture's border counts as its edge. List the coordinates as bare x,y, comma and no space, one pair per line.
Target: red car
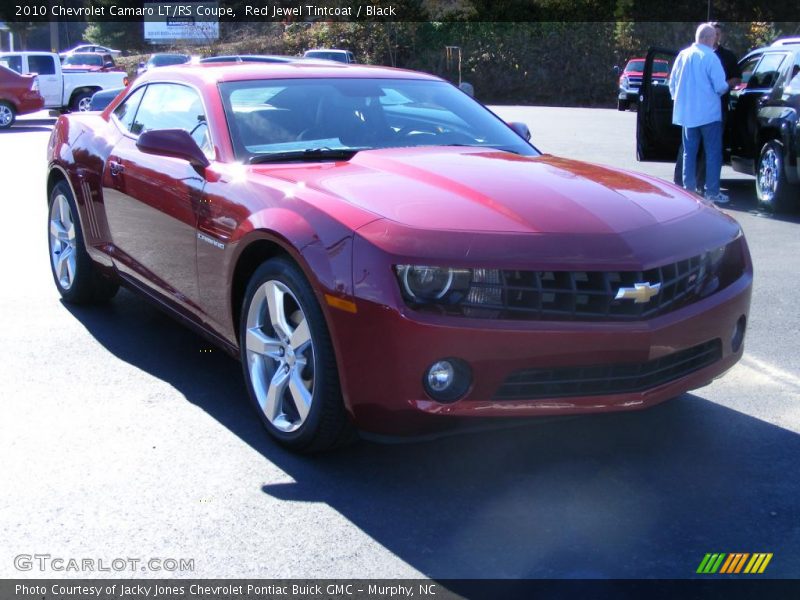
384,254
19,95
631,80
88,62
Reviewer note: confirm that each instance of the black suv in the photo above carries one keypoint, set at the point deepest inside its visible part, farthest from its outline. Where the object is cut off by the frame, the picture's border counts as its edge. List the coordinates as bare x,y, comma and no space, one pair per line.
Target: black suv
761,137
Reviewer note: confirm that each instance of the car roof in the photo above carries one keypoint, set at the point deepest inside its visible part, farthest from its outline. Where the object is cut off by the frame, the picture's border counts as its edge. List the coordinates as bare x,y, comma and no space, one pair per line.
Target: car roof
790,41
780,48
210,73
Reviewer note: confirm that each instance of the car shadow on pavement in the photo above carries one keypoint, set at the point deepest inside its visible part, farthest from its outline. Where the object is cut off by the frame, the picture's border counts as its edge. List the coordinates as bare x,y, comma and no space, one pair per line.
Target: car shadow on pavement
742,193
640,494
25,129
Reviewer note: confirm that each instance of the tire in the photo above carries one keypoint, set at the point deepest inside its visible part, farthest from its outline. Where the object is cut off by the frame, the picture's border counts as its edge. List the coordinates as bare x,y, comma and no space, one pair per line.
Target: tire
623,105
288,361
74,274
7,115
82,102
773,190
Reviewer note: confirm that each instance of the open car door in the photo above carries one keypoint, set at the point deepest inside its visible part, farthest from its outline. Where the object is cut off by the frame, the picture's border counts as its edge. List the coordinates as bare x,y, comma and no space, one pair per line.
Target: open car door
656,137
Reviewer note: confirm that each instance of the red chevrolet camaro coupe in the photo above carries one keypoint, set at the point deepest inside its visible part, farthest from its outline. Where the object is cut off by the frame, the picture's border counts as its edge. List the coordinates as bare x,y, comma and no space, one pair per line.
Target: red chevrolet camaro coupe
384,254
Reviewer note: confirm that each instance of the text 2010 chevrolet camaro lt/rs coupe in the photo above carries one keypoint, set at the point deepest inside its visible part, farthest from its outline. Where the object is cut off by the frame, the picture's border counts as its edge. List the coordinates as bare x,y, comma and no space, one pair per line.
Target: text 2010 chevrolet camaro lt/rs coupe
384,254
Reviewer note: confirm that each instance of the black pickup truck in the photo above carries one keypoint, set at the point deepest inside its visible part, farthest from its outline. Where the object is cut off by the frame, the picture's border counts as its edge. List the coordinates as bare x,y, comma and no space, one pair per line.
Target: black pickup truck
761,138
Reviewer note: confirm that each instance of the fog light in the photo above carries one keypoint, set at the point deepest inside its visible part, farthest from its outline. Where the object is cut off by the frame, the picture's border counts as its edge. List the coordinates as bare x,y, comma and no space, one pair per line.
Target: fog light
447,380
738,334
441,375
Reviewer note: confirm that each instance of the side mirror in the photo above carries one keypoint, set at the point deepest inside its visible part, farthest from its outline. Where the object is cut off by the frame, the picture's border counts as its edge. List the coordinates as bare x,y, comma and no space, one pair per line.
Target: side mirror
141,65
521,130
616,69
176,143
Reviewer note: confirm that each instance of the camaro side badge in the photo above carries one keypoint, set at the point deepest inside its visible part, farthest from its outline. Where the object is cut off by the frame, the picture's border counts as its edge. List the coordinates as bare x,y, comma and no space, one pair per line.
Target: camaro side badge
639,293
218,244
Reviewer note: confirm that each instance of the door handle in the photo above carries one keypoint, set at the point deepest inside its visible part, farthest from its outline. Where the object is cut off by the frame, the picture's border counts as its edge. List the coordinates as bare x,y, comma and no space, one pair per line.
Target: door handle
115,168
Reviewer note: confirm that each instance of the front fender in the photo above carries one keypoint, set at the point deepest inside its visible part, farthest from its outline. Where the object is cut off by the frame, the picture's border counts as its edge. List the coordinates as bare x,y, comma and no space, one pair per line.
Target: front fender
780,123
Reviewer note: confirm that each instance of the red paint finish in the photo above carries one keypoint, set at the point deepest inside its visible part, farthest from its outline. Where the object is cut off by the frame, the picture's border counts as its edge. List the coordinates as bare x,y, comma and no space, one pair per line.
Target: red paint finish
348,223
15,89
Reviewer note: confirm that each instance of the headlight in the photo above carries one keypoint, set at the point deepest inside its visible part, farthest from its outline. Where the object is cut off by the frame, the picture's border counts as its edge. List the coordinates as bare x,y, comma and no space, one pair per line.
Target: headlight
623,81
422,284
447,286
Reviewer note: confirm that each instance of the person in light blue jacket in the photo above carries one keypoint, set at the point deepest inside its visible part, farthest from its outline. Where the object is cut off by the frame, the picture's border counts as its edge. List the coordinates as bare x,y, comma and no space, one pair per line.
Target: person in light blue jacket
696,83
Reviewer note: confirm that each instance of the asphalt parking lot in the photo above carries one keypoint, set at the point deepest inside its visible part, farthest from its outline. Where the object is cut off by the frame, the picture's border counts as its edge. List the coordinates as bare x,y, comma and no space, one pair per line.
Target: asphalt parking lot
125,435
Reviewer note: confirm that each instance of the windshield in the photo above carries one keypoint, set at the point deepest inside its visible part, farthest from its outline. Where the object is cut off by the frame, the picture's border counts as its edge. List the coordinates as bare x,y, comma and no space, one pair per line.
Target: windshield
271,116
95,60
635,65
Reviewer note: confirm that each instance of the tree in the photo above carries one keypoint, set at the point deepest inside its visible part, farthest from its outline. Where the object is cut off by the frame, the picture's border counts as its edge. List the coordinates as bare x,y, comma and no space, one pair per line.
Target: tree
126,35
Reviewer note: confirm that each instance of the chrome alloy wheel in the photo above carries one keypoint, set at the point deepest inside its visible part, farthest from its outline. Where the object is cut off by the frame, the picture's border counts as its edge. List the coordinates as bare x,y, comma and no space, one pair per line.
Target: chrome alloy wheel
6,115
280,356
768,174
63,241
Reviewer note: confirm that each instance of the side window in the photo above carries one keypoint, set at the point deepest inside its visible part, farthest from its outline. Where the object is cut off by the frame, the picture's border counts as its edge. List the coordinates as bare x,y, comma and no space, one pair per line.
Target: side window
767,72
12,62
41,64
794,81
173,106
748,67
126,111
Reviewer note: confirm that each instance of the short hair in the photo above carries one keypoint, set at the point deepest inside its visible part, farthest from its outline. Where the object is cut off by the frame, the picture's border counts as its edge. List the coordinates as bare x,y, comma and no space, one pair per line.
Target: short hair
716,25
704,31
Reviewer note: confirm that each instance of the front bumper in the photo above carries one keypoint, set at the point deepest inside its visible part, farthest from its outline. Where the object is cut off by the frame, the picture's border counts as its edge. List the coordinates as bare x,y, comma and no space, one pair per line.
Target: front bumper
630,93
384,353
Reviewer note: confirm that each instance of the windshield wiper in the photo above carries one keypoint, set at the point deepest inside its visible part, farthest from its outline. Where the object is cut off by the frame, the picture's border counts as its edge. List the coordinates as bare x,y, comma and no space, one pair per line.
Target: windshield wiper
309,154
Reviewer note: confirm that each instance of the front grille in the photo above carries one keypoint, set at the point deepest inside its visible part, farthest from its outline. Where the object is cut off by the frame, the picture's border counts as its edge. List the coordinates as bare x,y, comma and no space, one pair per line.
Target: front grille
561,382
590,295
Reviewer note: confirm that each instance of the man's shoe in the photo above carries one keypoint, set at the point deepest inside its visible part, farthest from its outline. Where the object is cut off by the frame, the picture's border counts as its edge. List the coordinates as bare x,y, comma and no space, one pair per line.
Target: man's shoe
719,198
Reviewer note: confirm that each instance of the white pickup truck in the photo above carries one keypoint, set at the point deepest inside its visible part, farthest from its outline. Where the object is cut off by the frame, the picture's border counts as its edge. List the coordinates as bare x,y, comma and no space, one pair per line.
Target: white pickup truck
62,91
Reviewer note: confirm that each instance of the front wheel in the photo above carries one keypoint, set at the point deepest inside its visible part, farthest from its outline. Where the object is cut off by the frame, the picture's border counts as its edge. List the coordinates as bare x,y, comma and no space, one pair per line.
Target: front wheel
773,190
7,115
623,104
289,365
73,272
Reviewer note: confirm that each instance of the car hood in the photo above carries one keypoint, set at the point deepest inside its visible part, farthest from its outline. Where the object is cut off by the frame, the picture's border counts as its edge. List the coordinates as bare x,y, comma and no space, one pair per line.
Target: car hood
640,73
471,189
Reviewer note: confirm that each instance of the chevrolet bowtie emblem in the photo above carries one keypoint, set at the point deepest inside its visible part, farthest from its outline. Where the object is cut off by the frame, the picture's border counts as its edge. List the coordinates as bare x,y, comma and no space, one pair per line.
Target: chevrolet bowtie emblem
639,293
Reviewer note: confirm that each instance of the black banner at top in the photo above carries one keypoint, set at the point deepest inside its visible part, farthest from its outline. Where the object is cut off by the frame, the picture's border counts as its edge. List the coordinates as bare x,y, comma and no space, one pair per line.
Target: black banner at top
400,10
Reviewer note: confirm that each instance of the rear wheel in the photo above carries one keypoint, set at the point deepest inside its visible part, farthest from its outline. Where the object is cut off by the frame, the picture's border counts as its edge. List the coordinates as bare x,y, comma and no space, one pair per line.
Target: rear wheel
288,361
82,102
73,271
7,115
774,191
